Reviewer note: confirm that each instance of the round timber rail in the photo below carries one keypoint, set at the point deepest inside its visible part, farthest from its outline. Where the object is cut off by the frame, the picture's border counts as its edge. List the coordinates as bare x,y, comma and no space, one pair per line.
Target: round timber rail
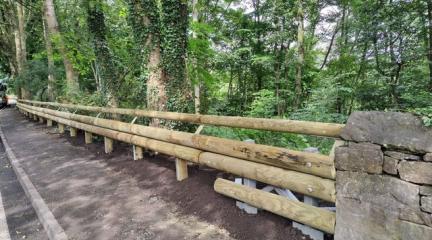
279,125
312,163
299,182
300,212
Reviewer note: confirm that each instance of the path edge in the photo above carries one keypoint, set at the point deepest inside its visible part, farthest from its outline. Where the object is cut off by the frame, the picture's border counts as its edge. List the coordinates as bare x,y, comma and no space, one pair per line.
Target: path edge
46,217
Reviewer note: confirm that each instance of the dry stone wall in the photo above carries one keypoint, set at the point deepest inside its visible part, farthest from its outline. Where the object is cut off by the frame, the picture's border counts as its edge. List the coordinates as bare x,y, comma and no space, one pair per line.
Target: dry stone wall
384,178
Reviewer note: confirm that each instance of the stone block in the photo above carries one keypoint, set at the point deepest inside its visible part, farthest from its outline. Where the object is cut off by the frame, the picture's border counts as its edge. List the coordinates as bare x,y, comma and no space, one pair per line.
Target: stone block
402,156
426,204
416,172
390,165
357,220
428,157
412,231
416,216
426,190
390,129
364,157
383,191
370,206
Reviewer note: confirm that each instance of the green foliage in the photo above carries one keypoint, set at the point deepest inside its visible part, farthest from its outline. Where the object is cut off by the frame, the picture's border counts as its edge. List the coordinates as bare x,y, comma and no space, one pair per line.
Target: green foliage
425,113
244,56
263,104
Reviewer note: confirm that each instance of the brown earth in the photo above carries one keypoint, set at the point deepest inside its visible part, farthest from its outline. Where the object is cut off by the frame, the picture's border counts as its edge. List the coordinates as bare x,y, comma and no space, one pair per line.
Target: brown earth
95,195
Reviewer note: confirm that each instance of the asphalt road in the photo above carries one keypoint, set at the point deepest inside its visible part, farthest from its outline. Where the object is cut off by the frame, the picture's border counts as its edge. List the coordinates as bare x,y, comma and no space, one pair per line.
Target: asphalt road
22,221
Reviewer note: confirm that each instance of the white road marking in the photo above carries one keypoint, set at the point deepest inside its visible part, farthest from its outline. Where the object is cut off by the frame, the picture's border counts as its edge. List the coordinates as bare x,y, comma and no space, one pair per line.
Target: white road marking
4,230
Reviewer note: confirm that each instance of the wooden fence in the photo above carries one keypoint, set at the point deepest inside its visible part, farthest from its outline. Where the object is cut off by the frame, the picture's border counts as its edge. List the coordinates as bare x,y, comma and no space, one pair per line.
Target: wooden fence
306,173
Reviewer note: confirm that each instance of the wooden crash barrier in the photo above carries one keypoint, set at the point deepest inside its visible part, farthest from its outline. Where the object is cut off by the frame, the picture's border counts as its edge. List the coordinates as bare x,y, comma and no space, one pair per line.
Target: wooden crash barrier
279,125
312,163
299,182
300,212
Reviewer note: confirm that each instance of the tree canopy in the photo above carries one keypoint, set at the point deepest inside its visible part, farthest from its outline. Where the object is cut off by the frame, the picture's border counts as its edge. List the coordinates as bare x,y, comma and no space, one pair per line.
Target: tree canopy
314,60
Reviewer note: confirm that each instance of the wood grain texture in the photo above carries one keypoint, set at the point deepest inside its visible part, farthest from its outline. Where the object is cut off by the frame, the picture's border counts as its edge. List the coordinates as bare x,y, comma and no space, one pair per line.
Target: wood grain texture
312,163
300,212
299,182
279,125
88,137
181,169
108,144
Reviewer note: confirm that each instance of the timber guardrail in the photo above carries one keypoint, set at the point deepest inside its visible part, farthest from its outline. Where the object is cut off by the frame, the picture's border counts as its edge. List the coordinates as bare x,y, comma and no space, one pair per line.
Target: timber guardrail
306,173
279,125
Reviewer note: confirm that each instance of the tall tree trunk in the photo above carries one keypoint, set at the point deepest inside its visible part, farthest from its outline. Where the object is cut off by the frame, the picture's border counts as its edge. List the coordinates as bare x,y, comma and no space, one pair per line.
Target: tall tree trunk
50,56
21,41
429,54
20,46
108,70
146,25
54,31
174,22
301,52
197,84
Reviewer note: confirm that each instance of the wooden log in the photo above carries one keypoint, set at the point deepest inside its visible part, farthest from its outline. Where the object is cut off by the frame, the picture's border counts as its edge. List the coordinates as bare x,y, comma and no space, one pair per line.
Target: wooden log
73,131
295,181
35,118
313,163
299,182
300,212
137,152
108,143
41,120
61,128
88,137
181,169
279,125
49,123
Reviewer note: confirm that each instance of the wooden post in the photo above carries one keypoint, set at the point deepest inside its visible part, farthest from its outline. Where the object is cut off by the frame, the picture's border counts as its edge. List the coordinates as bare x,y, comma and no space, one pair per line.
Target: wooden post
73,132
88,136
41,120
108,142
137,152
61,128
181,169
35,117
49,123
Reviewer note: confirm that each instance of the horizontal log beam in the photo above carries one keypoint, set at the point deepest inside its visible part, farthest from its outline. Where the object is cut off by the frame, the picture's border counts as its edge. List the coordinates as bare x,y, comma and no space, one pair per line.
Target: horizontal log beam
278,125
315,217
312,163
299,182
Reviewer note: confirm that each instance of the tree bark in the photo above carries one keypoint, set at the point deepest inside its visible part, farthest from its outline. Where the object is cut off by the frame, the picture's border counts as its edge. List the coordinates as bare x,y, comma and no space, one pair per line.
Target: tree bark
54,31
300,60
50,56
197,84
429,54
108,70
146,27
21,38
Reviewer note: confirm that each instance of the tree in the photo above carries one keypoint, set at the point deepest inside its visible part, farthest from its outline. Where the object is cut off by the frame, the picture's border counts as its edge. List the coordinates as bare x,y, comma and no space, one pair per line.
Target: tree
301,53
51,67
108,70
54,33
